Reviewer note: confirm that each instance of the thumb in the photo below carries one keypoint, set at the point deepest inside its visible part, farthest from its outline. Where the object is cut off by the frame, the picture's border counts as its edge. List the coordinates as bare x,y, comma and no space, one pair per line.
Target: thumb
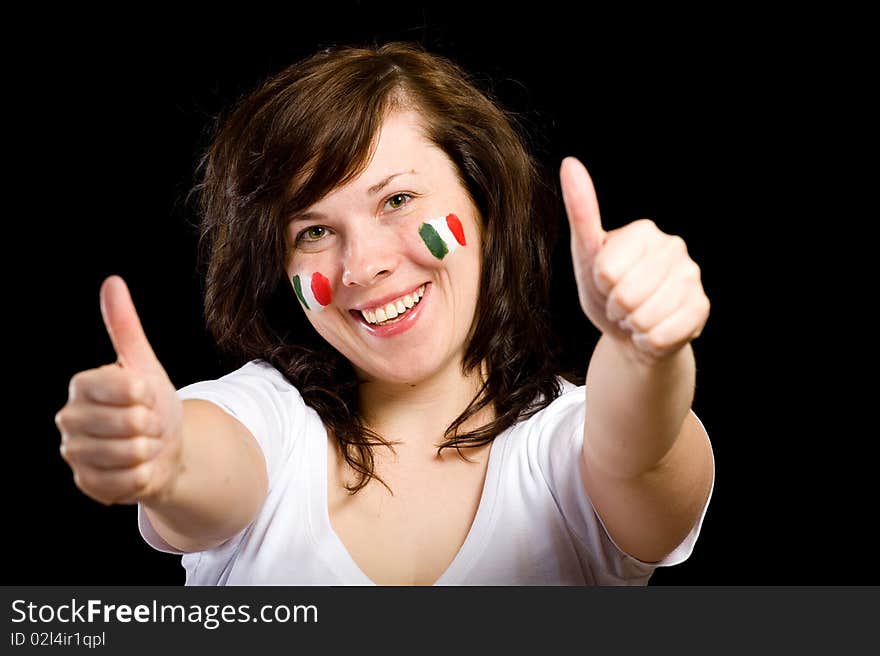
582,207
124,327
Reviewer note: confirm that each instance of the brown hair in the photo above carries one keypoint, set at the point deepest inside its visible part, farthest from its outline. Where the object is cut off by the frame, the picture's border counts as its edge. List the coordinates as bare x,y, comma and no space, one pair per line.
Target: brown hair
309,129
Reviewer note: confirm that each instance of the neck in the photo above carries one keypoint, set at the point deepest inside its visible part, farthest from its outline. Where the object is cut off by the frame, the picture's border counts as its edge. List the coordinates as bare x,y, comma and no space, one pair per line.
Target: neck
430,405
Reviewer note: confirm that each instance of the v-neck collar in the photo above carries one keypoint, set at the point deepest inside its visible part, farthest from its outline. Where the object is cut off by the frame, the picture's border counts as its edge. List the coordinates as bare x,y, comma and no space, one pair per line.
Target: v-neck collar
337,557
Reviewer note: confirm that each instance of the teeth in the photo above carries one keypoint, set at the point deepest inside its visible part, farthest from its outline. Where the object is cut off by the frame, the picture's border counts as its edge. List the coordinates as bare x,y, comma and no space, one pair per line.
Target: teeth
394,309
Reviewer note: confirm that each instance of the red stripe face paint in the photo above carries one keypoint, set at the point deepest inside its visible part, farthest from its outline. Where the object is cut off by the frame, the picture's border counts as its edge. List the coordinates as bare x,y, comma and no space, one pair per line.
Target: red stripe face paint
442,235
313,290
321,289
455,228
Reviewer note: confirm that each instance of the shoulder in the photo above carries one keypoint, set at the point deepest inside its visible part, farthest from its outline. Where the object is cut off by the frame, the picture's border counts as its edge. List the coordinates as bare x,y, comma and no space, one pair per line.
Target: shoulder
257,379
260,370
564,412
260,397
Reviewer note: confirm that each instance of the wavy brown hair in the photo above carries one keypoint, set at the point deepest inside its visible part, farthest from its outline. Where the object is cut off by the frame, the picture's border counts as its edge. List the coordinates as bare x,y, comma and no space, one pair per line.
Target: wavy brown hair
309,129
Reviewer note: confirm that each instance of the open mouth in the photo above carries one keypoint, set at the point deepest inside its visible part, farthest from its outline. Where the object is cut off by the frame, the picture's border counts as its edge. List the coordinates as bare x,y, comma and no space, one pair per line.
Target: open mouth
395,316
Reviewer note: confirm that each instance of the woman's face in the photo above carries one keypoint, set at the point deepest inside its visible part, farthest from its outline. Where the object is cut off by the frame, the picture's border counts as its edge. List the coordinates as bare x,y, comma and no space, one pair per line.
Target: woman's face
376,242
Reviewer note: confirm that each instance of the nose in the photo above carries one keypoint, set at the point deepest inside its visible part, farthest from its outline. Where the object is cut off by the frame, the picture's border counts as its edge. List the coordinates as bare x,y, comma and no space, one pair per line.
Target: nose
371,254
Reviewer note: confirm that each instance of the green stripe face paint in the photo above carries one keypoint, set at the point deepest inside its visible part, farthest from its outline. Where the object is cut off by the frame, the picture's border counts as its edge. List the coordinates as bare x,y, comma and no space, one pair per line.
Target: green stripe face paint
313,291
442,235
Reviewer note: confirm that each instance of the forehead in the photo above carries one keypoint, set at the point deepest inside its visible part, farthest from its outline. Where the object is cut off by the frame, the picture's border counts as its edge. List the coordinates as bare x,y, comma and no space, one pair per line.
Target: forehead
401,148
402,144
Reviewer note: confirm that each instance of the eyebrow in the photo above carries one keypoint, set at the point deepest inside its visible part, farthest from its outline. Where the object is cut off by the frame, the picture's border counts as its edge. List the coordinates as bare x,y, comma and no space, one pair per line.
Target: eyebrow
378,187
375,189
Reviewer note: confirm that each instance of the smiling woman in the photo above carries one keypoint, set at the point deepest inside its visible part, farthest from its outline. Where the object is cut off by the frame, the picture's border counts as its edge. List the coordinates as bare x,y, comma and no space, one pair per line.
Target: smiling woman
376,240
362,149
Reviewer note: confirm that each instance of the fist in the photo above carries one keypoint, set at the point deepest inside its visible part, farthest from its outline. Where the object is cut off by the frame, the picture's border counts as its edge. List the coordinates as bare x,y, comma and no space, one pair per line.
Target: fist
636,284
121,428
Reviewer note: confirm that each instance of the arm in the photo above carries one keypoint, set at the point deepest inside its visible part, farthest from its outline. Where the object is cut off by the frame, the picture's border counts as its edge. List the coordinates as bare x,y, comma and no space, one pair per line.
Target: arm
220,485
197,472
647,463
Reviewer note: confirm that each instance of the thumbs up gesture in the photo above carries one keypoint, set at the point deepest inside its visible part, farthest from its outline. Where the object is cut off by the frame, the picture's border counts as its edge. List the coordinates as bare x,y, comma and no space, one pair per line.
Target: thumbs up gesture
121,428
636,284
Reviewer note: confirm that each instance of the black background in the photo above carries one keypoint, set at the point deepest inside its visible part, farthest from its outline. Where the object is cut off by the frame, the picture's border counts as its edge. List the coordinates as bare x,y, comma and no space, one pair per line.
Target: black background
720,128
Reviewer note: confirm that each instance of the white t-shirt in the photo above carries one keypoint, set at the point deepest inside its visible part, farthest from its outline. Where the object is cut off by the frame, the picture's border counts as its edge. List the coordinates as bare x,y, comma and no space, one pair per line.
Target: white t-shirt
535,524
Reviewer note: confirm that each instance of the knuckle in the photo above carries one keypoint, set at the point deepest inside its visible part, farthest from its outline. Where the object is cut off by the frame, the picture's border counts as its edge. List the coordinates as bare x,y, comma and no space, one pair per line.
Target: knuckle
90,484
603,274
655,341
638,322
136,388
69,450
705,304
82,479
137,419
141,477
67,419
141,449
677,244
624,298
75,384
693,271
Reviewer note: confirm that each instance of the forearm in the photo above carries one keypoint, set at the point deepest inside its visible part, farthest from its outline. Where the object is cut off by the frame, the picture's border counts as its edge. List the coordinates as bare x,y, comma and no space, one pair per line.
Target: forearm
634,411
220,485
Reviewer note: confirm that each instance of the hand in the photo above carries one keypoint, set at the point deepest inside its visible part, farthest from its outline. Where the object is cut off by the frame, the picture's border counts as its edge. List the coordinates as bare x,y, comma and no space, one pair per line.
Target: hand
636,284
121,428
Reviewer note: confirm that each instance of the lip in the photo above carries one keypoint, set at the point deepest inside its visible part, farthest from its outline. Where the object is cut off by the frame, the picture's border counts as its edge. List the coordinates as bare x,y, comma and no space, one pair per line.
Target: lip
395,328
384,300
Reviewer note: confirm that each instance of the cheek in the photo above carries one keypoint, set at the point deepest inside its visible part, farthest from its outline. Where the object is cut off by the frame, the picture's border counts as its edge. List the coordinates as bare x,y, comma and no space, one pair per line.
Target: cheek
442,236
313,289
433,240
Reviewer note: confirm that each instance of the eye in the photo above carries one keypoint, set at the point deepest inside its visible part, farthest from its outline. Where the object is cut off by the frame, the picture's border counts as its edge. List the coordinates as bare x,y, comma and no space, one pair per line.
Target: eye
400,200
312,233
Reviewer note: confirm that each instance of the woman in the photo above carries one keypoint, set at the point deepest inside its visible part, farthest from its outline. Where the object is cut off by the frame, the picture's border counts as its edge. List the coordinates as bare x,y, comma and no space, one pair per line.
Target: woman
405,423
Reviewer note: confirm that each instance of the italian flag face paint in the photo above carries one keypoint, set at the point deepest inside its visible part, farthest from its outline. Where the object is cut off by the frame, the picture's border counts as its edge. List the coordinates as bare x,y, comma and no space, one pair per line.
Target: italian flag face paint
313,291
442,235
